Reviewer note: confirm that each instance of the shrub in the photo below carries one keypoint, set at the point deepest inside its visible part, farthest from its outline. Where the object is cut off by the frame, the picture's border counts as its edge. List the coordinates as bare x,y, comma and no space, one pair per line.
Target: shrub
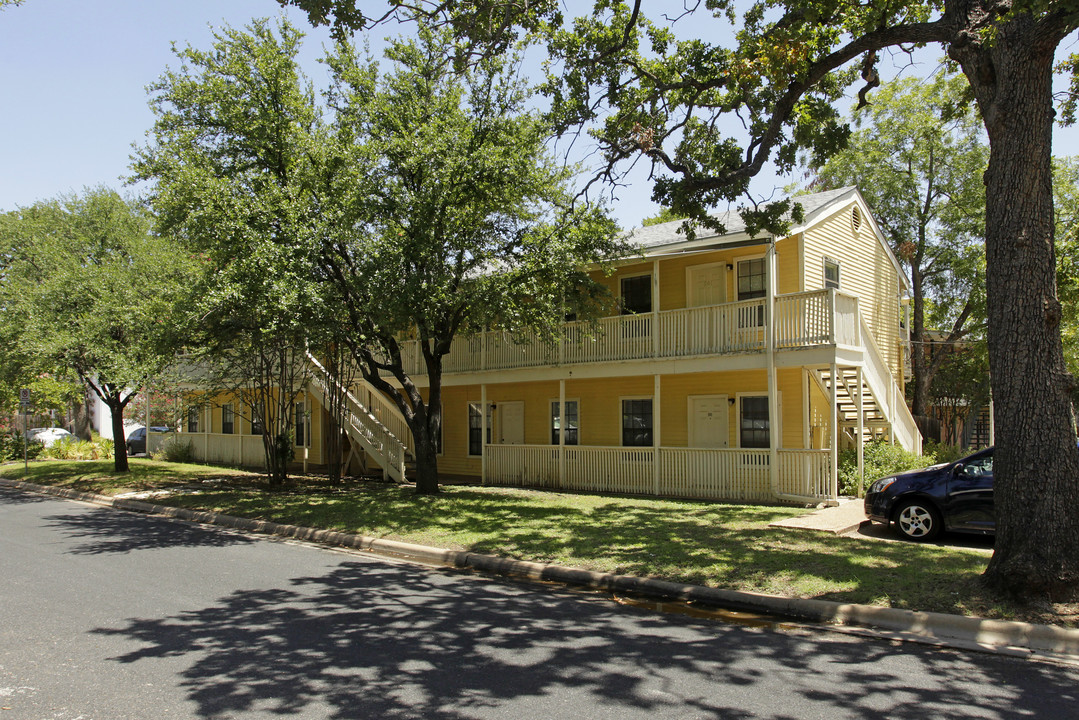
880,458
175,450
945,453
11,448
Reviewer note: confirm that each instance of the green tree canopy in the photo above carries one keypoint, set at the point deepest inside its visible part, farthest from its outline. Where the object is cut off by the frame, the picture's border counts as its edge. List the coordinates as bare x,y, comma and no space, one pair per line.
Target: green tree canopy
455,217
235,153
93,292
918,158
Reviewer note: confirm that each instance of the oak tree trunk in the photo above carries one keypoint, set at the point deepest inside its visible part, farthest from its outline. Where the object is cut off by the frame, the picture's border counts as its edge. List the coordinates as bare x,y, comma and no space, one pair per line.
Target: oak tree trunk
1036,492
119,444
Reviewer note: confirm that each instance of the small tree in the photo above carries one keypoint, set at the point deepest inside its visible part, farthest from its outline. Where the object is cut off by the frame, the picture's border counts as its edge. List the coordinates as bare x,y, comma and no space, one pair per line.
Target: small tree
94,292
234,152
453,218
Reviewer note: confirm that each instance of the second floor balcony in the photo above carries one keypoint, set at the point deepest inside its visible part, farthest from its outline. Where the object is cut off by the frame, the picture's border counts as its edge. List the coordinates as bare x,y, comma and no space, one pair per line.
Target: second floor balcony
800,320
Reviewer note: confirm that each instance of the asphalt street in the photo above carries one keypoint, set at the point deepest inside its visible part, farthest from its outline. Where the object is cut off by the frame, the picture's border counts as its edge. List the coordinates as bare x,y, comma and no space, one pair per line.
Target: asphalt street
106,615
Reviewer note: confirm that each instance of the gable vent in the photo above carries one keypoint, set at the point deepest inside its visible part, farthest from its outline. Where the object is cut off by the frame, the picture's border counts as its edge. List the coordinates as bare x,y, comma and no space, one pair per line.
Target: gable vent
855,218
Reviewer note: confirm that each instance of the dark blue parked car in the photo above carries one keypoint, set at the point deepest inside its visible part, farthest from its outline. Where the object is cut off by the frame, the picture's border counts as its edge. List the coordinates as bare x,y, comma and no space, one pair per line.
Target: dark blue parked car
955,496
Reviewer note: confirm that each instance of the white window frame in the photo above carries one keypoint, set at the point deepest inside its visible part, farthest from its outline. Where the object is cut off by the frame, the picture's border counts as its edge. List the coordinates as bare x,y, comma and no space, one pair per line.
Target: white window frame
651,288
550,428
621,436
825,260
774,425
468,426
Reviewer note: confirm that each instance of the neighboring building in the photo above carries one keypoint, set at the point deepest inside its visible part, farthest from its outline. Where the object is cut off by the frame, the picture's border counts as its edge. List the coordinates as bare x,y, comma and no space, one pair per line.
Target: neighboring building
734,367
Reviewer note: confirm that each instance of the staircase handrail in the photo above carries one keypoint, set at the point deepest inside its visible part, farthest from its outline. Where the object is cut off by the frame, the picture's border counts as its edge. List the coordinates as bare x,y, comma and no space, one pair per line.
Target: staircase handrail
890,397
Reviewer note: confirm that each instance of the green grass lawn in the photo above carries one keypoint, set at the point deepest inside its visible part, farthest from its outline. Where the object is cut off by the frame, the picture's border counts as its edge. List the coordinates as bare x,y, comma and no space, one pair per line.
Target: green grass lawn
716,544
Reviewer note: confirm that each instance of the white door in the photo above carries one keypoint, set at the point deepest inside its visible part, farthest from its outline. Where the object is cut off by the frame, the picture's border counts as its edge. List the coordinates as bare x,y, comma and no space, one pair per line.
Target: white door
707,284
511,423
708,421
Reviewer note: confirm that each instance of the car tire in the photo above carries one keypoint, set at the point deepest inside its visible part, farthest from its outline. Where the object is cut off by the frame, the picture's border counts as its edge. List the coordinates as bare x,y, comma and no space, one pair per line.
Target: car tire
917,520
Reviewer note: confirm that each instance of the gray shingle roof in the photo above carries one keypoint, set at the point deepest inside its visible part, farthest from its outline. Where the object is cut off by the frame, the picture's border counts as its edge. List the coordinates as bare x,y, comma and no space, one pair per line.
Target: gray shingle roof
655,236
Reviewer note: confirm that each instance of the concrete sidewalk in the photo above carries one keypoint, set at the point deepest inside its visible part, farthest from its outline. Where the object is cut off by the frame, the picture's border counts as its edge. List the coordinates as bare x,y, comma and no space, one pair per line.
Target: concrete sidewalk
838,520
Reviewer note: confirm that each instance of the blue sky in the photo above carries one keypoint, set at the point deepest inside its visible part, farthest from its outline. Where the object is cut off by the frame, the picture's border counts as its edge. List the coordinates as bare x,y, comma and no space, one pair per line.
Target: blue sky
73,75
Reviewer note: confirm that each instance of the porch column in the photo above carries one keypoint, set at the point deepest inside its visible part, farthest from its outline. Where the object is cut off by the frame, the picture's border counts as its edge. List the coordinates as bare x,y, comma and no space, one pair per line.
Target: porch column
833,490
483,434
770,357
861,429
655,308
562,433
307,429
656,406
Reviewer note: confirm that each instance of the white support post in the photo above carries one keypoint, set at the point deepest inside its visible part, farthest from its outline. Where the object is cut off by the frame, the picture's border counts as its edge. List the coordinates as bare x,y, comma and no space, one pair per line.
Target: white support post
656,428
483,434
307,428
769,350
561,433
833,491
655,308
861,430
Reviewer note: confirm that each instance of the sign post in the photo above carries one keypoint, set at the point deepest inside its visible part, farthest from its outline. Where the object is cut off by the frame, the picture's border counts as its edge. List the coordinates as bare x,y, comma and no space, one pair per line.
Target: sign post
24,405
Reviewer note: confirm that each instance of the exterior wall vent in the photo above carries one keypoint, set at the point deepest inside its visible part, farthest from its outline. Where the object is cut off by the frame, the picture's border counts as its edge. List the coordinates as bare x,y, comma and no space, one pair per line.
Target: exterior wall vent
856,218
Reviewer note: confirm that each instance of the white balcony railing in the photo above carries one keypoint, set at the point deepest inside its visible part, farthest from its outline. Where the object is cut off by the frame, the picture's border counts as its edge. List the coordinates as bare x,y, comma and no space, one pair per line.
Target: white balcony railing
701,473
823,317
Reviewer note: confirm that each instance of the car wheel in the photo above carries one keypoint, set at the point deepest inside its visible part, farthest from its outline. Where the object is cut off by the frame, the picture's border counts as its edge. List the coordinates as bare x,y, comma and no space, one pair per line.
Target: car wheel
917,520
130,450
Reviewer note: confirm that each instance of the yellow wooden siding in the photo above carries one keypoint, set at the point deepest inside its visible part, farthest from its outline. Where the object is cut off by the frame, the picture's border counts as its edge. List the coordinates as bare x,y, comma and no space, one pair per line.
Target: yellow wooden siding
241,424
600,411
673,292
865,271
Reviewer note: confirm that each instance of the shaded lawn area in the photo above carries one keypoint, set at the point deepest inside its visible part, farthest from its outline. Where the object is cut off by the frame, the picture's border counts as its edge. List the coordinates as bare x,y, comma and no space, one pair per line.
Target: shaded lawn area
723,545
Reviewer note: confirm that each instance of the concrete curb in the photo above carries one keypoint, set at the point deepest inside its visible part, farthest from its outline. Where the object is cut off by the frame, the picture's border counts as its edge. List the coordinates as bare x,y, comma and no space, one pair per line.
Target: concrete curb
971,633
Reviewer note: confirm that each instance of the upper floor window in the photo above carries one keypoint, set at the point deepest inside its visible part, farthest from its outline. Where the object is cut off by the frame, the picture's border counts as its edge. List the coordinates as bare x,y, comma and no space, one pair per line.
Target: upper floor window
636,294
752,284
751,279
831,273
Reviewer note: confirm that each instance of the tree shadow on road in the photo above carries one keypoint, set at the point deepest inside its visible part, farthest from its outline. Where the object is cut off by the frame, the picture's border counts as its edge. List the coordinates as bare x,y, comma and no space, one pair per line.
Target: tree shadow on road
369,639
110,531
12,496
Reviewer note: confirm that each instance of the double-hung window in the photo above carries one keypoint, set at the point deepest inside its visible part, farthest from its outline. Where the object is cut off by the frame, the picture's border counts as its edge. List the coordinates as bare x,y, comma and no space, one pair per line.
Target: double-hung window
753,423
475,428
193,418
752,284
831,273
637,422
571,423
228,419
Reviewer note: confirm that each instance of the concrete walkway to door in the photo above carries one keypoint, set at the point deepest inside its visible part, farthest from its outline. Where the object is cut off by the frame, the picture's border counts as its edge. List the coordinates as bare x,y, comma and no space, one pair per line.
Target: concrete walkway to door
838,520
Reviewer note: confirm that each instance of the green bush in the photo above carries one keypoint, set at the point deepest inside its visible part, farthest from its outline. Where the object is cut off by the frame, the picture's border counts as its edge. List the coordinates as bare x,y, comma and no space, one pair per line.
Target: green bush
945,453
11,447
175,450
881,459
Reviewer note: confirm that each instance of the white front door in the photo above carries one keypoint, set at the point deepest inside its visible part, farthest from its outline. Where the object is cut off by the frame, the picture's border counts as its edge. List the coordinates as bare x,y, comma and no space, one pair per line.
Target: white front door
511,423
707,284
708,416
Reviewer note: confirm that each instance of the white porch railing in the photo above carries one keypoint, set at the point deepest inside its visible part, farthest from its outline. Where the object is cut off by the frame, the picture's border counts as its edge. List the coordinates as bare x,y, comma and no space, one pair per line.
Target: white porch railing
821,317
700,473
221,448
